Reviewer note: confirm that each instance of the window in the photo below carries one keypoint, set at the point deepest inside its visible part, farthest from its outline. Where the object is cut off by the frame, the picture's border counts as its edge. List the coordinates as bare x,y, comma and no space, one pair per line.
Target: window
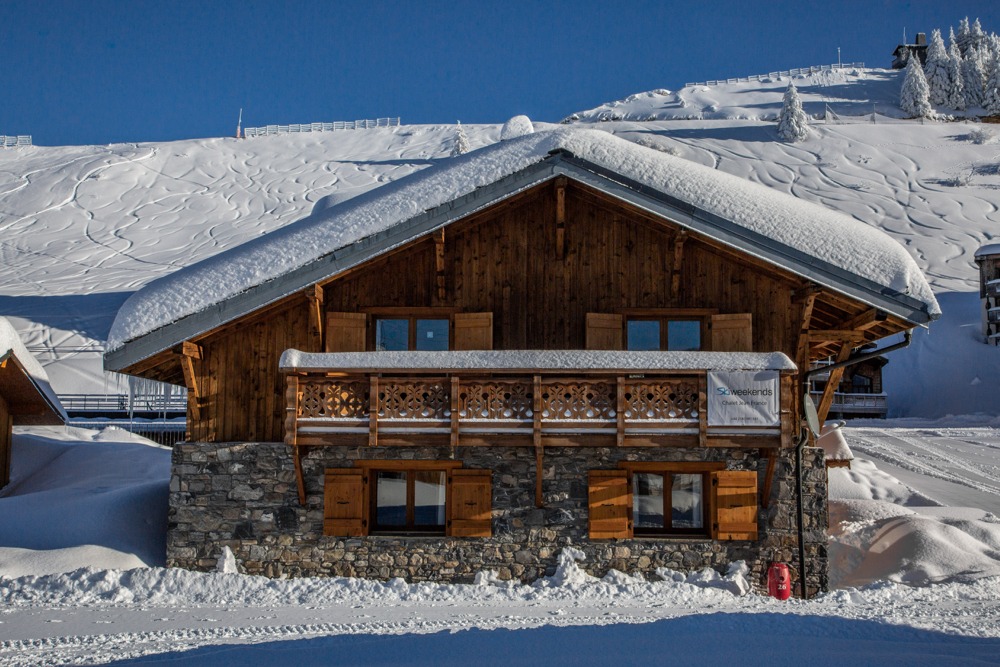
407,498
409,501
666,503
663,334
650,499
411,333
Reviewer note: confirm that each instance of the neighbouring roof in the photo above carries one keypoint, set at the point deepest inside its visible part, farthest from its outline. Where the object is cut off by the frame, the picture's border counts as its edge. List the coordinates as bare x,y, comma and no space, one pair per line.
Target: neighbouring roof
825,246
535,361
988,250
24,383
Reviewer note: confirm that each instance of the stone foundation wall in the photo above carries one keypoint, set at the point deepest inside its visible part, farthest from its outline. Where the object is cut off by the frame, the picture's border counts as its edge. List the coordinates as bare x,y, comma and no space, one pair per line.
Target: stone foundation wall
243,495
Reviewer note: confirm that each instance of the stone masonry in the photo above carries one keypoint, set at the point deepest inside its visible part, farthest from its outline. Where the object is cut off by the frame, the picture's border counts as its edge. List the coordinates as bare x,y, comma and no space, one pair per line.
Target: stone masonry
243,495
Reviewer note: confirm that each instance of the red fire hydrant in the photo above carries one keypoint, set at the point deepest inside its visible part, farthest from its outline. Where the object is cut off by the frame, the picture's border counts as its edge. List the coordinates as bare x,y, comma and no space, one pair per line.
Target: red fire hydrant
779,584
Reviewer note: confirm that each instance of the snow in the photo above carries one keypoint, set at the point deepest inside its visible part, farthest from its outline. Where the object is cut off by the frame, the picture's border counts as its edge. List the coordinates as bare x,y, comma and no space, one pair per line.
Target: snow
833,442
543,360
10,343
518,126
988,250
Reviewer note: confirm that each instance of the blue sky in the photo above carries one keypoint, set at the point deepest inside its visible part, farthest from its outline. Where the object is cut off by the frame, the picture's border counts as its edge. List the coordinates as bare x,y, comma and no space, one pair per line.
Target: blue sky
101,72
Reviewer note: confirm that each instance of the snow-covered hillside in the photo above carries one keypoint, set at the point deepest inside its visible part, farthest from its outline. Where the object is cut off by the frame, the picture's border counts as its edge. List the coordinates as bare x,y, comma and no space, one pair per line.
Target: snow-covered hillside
83,227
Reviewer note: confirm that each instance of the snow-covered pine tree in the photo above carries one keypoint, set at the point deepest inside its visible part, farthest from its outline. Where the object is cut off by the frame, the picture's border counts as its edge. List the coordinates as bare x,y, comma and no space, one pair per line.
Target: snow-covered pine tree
991,89
972,81
914,95
937,70
963,35
976,35
952,40
461,142
956,90
792,124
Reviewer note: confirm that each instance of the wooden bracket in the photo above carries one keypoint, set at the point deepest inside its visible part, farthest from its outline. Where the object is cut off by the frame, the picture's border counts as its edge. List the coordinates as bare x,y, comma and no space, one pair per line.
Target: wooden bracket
836,336
675,269
315,297
765,493
299,452
439,264
189,354
865,320
560,218
832,383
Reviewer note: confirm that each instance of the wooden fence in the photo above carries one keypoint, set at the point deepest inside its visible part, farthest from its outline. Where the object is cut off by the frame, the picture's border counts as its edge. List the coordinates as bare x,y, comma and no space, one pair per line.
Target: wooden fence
19,140
320,127
774,75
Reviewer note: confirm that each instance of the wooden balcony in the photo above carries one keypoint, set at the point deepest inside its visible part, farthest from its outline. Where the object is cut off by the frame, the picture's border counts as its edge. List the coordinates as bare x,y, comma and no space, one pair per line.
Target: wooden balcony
533,399
875,405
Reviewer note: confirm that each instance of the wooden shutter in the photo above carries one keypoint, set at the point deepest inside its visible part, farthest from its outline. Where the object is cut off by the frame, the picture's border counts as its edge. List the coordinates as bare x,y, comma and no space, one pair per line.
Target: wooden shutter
605,331
733,505
609,504
345,500
345,332
732,333
473,331
470,503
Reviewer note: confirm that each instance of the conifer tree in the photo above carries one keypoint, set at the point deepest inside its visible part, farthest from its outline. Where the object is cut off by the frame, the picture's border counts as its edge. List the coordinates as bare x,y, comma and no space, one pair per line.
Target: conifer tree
963,35
792,124
972,81
956,89
937,70
461,142
991,90
914,95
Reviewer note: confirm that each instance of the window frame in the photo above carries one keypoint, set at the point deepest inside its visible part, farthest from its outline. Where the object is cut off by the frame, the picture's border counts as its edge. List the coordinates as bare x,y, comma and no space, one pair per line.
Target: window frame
410,528
666,315
668,469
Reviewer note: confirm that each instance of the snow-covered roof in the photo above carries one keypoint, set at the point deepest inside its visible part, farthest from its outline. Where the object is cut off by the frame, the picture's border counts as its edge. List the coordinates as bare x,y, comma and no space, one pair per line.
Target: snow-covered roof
988,250
535,360
826,246
11,347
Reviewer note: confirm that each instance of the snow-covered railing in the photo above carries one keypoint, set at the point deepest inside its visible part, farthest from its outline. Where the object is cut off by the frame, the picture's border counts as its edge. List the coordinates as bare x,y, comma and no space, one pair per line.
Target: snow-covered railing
813,69
874,404
320,127
19,140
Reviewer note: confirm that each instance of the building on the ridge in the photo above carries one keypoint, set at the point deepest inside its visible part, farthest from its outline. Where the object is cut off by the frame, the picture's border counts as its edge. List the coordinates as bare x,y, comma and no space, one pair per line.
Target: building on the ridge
988,259
564,339
860,393
26,398
901,55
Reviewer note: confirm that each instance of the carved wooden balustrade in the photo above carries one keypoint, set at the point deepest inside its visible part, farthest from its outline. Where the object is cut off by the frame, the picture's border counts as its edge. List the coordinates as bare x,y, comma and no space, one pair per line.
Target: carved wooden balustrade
321,409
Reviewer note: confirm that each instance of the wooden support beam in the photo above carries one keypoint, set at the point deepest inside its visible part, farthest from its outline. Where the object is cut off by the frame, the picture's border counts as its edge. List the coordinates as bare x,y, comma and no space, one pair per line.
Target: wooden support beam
315,297
373,413
832,383
836,336
675,269
703,411
455,392
560,218
537,437
865,321
765,493
442,292
300,481
620,411
189,353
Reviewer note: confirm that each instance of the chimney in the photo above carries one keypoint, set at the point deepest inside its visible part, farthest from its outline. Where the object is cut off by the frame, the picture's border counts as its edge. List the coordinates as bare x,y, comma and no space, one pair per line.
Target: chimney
921,39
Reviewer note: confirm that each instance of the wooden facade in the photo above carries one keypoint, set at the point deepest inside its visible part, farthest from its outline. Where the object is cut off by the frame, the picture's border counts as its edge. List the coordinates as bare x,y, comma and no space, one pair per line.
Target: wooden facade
22,402
539,264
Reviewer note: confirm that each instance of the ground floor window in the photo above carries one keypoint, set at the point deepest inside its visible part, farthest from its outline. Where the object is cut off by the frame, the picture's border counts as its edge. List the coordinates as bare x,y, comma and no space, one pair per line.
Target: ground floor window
665,503
409,501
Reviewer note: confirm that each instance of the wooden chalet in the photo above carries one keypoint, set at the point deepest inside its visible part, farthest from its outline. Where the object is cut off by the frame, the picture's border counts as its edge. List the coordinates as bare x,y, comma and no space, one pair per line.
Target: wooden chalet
533,360
25,396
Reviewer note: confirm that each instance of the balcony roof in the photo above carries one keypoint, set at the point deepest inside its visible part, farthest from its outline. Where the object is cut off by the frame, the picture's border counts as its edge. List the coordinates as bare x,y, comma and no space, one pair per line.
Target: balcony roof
533,361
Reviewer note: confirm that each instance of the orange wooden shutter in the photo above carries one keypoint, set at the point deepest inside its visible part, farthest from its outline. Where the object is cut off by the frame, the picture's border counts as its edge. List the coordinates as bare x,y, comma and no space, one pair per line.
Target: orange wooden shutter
345,332
473,331
470,503
733,505
344,502
609,504
605,331
732,333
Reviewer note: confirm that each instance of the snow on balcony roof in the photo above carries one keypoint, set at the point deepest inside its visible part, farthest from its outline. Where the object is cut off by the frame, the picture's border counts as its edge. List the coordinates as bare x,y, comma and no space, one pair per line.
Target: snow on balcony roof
534,360
817,232
988,250
11,346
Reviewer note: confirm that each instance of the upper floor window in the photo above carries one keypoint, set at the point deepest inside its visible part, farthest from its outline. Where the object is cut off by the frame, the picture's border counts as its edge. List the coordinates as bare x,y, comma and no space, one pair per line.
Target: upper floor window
412,333
663,334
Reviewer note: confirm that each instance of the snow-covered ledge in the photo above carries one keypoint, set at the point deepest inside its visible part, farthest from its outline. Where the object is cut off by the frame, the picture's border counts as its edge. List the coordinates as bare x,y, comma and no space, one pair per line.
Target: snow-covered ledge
539,361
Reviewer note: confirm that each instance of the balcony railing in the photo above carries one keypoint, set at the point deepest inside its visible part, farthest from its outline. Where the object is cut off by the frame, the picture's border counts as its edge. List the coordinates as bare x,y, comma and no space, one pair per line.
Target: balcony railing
872,404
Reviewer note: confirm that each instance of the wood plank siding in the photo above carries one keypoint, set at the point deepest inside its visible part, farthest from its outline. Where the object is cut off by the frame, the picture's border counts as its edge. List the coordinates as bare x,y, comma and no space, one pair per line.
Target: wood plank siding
538,279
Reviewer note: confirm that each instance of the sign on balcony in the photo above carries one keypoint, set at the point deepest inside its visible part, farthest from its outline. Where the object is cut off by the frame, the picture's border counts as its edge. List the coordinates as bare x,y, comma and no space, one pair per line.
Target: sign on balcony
743,398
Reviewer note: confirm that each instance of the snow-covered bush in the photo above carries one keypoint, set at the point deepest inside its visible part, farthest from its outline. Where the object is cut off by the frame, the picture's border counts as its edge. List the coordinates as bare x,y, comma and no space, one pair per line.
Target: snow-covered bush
981,136
461,142
518,126
914,97
792,124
